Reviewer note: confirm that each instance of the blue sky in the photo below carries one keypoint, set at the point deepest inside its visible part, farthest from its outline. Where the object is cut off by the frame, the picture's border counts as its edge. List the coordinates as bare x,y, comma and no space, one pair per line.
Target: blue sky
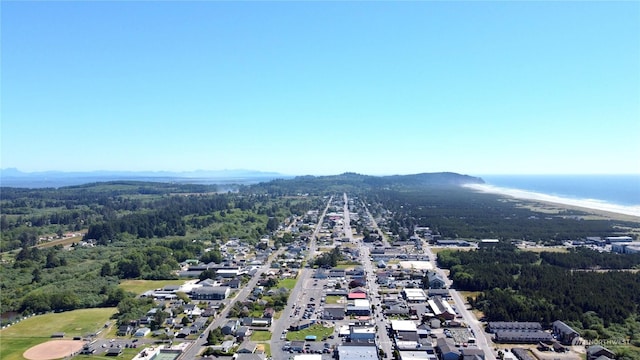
322,87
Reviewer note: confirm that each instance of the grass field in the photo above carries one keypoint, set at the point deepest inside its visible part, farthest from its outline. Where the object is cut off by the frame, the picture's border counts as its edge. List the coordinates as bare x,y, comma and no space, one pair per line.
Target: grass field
466,294
261,336
436,250
287,283
38,329
330,299
318,330
140,286
539,249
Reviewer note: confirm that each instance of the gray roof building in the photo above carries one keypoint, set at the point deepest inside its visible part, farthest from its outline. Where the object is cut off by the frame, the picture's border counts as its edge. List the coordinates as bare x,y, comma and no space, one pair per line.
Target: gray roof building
364,351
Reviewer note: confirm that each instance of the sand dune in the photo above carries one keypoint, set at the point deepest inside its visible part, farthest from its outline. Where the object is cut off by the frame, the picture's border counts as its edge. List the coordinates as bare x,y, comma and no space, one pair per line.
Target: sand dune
582,203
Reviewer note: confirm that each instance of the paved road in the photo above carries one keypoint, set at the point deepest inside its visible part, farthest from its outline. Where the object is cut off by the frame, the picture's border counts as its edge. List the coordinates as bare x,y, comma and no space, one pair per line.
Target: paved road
383,236
196,346
295,297
469,318
383,342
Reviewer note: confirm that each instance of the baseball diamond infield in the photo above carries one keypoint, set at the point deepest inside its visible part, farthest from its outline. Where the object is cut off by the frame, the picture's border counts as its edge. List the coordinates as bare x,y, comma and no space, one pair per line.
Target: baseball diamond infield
54,349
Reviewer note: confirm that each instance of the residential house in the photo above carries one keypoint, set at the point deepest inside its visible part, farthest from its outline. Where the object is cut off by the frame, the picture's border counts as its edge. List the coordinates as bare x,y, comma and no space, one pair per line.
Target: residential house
209,312
198,325
124,330
230,327
247,347
224,347
192,310
243,333
234,283
142,332
268,312
447,350
435,281
243,356
472,354
183,333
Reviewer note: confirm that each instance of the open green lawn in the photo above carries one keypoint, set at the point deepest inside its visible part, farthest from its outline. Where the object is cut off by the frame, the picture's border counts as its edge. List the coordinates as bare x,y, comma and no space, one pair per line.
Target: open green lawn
38,329
261,336
140,286
13,348
331,299
318,330
348,264
287,283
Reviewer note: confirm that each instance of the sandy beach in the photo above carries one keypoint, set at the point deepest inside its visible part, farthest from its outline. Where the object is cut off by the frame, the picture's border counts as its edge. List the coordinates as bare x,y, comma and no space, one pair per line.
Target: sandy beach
631,212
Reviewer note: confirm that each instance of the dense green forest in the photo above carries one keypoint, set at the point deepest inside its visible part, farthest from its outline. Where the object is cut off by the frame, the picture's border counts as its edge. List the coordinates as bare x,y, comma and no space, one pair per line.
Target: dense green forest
456,213
518,285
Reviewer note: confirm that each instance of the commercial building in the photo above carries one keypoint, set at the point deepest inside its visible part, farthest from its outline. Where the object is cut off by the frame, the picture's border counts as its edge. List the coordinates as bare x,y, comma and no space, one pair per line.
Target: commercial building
564,333
522,337
360,307
211,293
513,325
414,295
362,333
359,352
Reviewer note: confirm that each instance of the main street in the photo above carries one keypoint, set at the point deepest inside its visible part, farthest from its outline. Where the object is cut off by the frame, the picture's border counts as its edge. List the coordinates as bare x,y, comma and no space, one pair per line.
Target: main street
374,224
296,295
382,340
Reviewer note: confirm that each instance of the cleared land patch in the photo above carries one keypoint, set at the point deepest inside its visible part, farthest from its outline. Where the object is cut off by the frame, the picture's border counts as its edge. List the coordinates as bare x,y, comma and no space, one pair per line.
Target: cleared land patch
140,286
54,349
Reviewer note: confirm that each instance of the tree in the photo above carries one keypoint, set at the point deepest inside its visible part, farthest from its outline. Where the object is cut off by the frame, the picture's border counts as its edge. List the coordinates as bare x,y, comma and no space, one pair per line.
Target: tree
106,270
215,336
212,256
182,296
52,260
158,319
37,275
115,295
272,224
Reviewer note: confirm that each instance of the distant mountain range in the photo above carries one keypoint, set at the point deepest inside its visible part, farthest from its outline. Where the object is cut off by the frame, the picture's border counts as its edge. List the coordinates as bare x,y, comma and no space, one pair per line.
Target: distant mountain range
16,178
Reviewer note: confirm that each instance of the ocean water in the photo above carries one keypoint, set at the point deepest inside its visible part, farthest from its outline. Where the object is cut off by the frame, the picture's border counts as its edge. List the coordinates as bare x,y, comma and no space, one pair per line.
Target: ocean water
613,189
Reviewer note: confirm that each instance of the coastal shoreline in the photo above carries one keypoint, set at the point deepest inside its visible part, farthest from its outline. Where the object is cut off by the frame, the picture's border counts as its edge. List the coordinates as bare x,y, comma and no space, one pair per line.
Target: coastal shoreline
627,213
